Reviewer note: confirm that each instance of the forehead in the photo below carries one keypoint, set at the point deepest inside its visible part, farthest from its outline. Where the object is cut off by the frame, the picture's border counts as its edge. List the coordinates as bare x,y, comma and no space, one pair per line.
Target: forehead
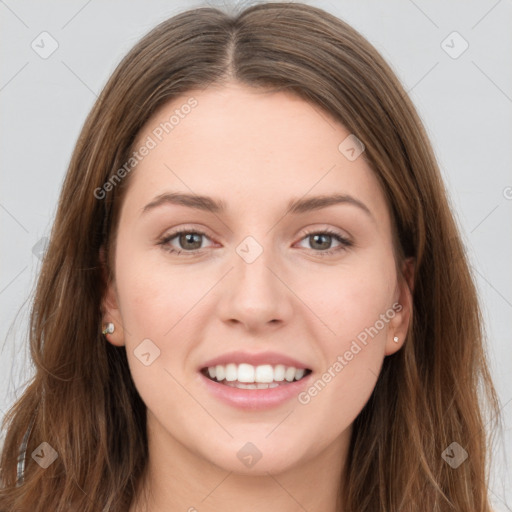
252,148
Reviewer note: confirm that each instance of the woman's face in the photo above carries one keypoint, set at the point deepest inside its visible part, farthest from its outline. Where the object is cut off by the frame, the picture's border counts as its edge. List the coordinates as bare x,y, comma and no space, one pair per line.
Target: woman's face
312,287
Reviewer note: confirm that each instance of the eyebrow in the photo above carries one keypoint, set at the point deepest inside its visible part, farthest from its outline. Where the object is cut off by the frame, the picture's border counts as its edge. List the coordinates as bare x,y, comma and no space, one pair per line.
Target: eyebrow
295,206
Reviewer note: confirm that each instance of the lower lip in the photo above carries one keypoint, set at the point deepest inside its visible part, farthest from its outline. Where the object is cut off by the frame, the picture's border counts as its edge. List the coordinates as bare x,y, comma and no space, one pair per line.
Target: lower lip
255,399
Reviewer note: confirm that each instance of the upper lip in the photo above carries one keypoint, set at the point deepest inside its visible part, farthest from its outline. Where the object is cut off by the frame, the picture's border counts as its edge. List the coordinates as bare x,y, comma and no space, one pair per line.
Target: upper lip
255,359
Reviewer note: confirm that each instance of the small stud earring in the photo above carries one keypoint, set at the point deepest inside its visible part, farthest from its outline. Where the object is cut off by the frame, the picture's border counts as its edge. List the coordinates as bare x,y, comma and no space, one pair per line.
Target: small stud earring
109,328
395,339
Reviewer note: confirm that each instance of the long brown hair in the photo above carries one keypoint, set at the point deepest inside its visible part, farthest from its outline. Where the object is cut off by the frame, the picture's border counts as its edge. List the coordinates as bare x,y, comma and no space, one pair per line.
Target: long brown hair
82,400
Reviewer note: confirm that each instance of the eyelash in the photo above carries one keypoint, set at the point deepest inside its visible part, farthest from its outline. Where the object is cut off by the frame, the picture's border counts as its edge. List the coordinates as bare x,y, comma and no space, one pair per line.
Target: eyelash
345,243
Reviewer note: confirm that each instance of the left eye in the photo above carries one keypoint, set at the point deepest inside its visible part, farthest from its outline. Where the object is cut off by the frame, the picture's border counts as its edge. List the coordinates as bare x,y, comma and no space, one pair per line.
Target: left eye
322,238
190,242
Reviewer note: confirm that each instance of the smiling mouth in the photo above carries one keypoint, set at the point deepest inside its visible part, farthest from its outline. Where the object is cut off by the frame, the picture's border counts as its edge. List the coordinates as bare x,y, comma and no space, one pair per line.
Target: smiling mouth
269,377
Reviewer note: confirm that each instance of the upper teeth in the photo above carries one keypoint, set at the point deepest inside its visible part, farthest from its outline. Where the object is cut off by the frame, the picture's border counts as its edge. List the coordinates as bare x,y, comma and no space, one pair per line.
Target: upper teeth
249,373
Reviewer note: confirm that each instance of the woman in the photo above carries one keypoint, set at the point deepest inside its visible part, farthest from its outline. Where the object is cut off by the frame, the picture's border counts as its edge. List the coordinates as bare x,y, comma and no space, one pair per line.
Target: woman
318,346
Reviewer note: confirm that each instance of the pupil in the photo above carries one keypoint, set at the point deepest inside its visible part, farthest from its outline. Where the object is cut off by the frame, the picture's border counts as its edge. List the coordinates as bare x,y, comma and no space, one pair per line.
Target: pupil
189,238
325,245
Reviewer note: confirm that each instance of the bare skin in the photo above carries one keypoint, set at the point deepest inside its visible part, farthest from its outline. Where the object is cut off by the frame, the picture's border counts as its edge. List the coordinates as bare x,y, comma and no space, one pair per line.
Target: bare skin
255,151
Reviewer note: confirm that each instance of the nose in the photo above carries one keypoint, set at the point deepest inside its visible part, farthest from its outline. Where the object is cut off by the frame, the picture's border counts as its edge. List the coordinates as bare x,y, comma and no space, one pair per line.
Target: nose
255,294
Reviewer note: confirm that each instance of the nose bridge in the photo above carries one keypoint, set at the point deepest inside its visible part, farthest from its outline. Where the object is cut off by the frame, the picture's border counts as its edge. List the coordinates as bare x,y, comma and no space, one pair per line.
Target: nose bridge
252,262
255,294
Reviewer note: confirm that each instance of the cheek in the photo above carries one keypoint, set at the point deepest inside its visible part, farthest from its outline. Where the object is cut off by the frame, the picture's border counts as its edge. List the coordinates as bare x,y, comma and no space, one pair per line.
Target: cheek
351,298
154,302
156,295
358,310
156,307
355,303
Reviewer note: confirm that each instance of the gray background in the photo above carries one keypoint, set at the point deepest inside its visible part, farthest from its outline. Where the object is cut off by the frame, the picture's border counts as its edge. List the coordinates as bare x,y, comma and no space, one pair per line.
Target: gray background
464,100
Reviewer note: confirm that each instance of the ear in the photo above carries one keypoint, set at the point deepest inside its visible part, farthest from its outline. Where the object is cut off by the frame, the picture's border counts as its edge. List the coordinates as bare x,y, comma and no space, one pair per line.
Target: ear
109,305
399,323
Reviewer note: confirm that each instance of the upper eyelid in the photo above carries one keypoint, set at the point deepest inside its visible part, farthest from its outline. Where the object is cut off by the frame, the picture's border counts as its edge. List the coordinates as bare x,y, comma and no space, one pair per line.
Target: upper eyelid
174,233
